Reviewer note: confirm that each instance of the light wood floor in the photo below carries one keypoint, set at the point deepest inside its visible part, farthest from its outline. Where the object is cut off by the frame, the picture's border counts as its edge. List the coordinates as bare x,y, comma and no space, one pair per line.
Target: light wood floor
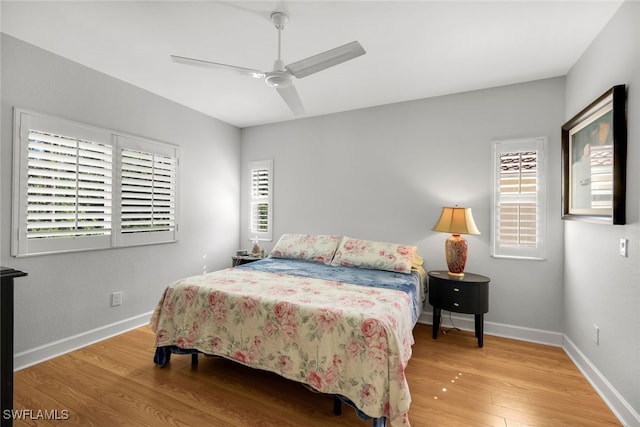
115,383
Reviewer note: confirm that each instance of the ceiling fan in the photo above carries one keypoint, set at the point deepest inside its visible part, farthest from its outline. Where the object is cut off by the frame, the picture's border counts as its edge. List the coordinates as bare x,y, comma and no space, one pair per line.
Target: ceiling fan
280,77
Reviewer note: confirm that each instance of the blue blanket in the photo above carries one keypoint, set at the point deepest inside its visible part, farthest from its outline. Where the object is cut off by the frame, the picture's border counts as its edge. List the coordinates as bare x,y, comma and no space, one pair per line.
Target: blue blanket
412,283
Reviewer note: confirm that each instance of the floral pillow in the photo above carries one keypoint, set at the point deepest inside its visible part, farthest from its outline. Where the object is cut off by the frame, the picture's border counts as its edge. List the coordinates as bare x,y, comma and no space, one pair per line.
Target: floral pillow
309,247
375,255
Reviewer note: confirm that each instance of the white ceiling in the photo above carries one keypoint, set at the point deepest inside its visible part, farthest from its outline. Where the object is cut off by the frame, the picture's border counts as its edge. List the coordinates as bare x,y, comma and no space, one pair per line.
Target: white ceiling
415,49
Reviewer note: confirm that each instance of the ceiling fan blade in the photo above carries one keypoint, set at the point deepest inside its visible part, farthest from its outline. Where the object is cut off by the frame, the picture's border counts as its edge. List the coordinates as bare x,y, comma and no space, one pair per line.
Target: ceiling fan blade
201,63
327,59
291,97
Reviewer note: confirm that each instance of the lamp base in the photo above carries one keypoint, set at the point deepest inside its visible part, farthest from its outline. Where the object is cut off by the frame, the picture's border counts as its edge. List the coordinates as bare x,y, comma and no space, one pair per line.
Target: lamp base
456,251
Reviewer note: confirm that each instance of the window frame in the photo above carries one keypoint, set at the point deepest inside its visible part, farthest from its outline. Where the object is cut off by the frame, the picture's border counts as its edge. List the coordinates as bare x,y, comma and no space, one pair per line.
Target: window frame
539,252
26,122
266,236
146,236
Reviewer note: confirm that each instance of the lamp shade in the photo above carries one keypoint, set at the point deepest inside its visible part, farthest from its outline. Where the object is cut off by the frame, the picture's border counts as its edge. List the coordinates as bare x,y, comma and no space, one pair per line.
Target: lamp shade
456,220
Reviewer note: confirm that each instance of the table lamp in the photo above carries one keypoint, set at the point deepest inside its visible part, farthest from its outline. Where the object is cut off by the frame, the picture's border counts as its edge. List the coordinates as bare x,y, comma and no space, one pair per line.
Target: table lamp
457,221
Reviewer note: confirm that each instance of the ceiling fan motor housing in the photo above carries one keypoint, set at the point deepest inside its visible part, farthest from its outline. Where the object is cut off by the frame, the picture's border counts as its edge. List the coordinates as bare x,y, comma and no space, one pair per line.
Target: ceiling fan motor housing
278,79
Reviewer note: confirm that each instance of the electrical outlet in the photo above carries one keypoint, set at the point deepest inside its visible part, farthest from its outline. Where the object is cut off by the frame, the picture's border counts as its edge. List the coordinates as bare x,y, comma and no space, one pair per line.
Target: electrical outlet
116,299
596,335
623,247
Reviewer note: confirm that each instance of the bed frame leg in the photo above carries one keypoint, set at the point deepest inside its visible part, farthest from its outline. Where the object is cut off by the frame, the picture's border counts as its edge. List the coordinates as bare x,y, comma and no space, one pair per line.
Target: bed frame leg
380,422
194,360
162,356
337,405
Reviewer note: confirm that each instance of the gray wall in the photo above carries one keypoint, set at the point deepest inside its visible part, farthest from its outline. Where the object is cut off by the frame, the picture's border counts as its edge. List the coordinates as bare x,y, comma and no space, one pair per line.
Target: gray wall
384,173
380,173
601,287
69,294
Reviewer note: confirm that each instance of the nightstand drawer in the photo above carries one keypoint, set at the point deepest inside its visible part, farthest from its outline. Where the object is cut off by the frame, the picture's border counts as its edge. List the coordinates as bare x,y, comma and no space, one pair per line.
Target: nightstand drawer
459,296
456,299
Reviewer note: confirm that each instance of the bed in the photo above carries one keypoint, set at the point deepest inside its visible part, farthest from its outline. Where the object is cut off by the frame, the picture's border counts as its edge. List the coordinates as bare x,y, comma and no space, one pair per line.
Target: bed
331,312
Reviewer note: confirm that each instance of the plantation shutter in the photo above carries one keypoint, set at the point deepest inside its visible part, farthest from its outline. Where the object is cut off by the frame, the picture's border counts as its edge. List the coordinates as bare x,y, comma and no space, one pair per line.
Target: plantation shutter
148,192
64,187
517,208
519,199
260,218
77,187
69,187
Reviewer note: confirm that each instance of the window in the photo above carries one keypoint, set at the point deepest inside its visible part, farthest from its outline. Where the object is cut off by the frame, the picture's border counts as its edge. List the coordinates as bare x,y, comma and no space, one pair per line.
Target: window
69,194
261,204
519,199
148,191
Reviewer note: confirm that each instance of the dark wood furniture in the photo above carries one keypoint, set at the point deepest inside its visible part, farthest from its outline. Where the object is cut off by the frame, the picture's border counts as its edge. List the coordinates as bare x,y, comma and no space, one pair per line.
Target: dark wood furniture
6,342
244,259
462,294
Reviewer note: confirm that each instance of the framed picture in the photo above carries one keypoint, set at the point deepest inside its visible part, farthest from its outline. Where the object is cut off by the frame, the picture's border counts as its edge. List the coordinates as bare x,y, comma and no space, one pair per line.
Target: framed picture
594,160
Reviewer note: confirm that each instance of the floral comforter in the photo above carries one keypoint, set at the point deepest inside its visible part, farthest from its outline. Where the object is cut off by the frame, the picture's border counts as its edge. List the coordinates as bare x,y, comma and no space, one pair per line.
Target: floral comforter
339,338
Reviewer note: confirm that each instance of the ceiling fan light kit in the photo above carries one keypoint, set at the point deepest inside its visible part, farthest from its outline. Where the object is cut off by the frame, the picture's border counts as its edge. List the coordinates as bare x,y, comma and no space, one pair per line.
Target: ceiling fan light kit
280,77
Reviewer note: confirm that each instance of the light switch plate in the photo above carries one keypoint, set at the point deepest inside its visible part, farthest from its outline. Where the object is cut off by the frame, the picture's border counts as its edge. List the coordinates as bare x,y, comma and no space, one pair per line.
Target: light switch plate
623,247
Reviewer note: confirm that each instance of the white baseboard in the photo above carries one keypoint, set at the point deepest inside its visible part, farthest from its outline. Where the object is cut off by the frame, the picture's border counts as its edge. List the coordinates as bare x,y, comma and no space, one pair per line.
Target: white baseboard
466,323
618,405
57,348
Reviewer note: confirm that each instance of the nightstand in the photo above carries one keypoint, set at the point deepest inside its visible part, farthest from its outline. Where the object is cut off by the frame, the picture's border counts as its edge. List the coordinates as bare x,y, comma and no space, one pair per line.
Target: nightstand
243,259
461,294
